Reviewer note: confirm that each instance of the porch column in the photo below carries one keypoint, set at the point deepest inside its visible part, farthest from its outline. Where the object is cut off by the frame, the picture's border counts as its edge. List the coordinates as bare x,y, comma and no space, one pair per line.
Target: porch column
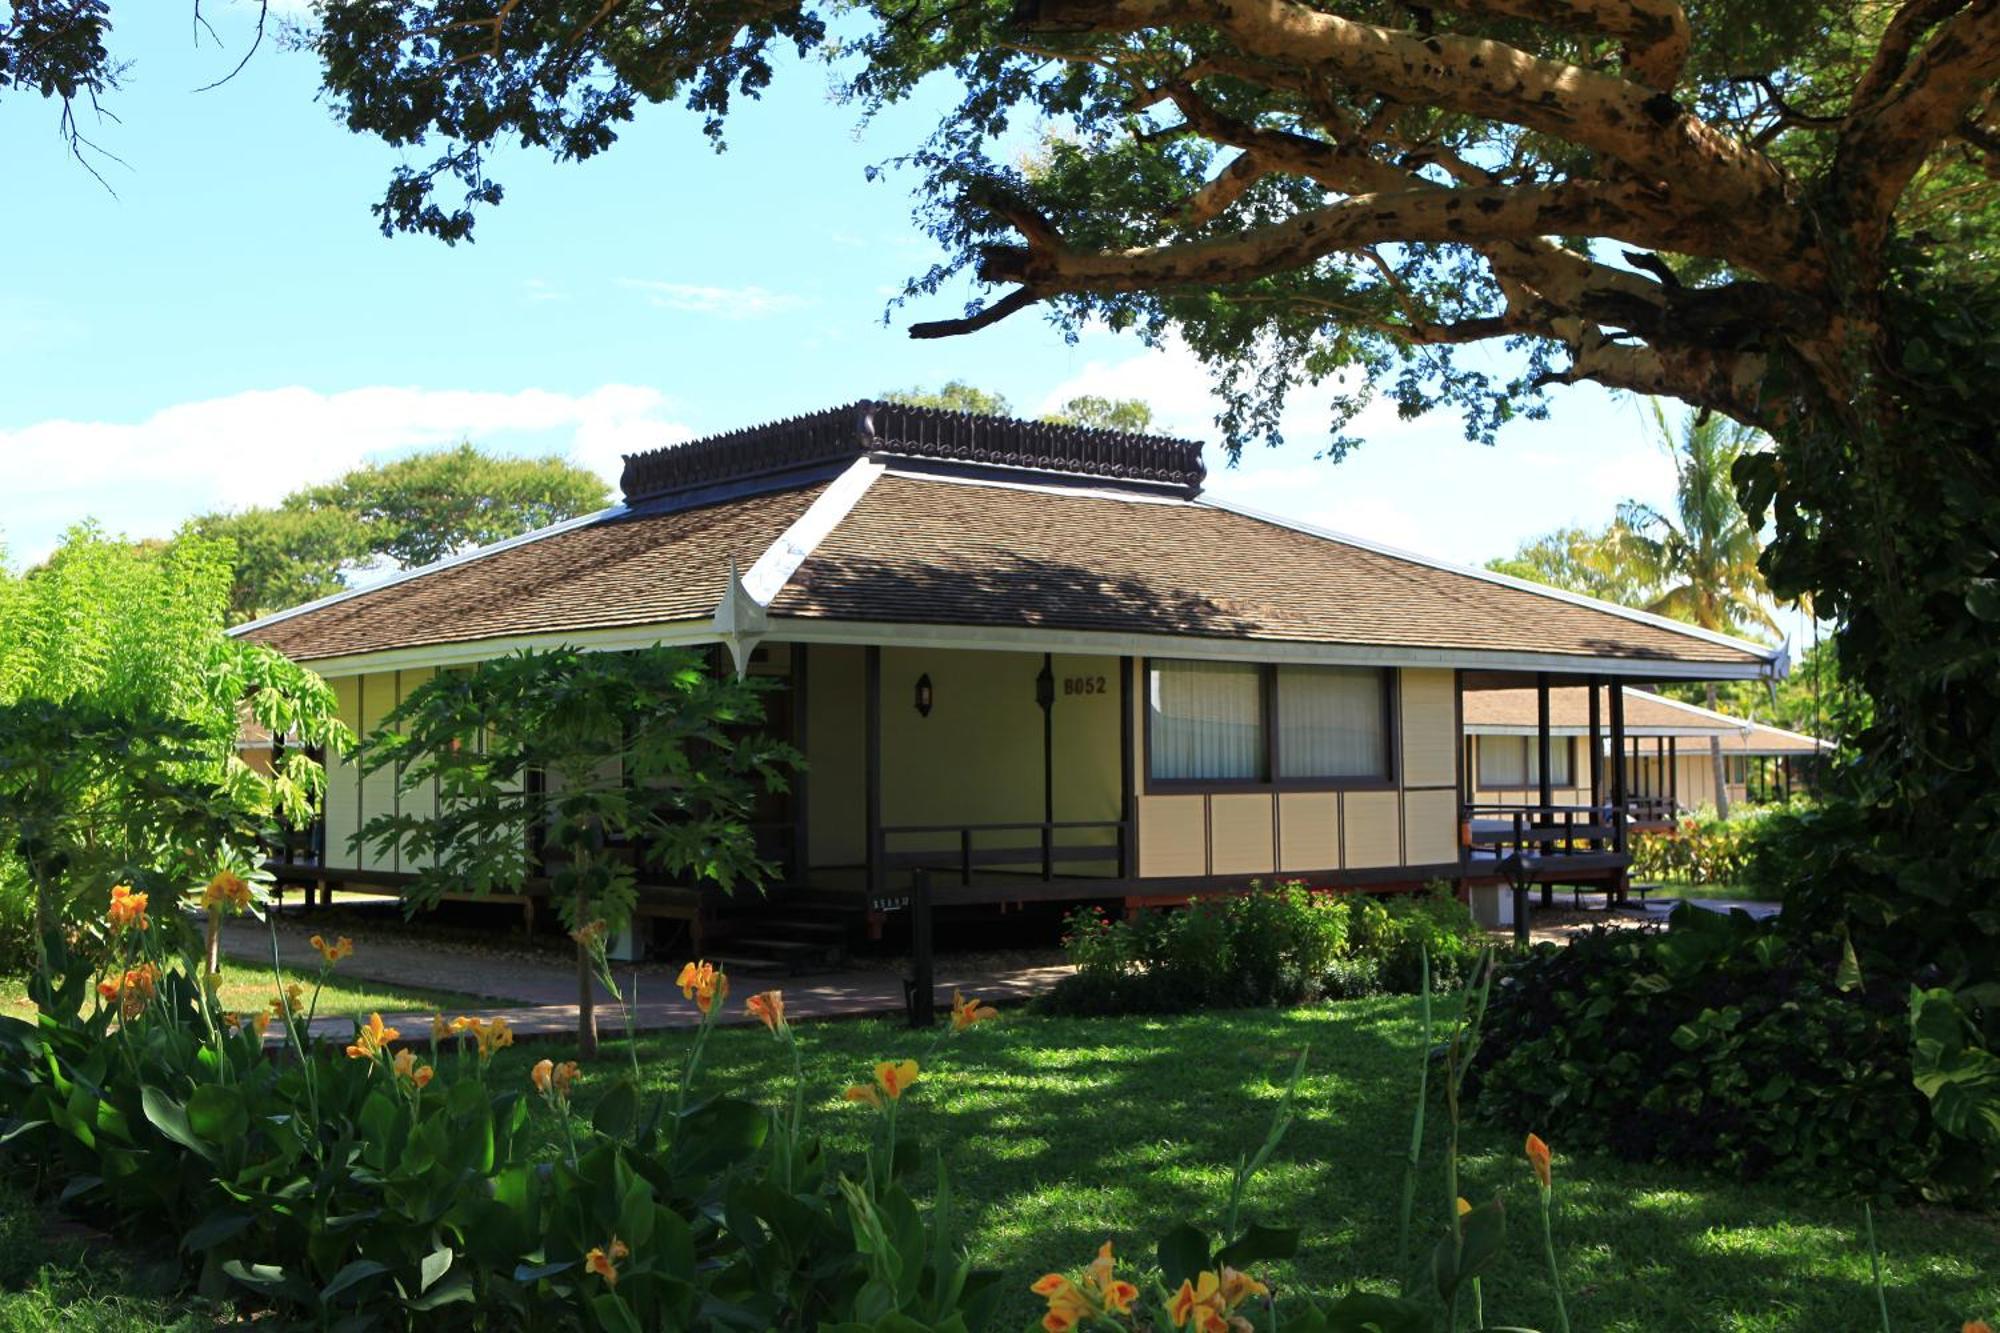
1543,787
1127,785
1045,695
1596,758
1673,775
801,780
1618,768
871,692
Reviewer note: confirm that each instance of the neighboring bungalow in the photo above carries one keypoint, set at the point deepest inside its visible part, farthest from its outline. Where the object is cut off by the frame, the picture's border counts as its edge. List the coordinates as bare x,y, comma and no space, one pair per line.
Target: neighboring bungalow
1033,660
1669,767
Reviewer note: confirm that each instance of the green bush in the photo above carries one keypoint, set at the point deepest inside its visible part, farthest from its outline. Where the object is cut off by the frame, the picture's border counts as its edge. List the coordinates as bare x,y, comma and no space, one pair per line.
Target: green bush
1272,945
1721,1041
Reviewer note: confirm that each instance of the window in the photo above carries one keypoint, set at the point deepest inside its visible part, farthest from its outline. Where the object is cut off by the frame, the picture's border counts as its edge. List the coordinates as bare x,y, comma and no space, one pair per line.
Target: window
1515,761
1332,722
1229,722
1206,721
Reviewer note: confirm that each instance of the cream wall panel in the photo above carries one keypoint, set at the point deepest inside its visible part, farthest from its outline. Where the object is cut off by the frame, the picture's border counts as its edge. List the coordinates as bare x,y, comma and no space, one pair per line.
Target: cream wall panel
1430,728
1430,827
977,759
378,789
423,801
1173,836
1369,829
343,796
836,751
1241,839
1308,830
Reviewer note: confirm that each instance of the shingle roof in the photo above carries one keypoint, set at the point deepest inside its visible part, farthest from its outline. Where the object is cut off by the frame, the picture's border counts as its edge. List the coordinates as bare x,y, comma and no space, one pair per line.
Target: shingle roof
1510,711
923,548
941,552
628,569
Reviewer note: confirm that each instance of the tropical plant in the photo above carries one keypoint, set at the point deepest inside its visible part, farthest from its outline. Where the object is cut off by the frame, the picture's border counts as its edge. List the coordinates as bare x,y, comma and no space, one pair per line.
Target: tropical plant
121,701
585,769
1580,559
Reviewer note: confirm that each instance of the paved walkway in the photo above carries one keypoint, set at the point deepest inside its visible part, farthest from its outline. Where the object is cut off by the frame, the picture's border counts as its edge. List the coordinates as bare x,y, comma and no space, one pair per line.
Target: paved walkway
538,998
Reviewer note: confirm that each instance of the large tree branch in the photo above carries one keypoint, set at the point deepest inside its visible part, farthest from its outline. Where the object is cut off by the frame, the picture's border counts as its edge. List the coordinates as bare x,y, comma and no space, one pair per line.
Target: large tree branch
1416,215
1926,102
1655,33
1638,126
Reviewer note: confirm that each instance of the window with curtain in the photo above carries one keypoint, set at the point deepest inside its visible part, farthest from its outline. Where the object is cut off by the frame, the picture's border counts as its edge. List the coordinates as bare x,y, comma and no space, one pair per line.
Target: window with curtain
1332,722
1206,723
1515,761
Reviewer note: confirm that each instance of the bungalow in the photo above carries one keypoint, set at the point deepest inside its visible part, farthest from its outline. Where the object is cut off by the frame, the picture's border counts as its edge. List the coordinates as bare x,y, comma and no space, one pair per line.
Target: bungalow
1668,758
1034,661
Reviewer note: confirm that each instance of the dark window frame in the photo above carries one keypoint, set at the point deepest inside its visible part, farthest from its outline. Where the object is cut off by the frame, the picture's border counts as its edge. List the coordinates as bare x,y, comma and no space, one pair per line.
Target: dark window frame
1269,706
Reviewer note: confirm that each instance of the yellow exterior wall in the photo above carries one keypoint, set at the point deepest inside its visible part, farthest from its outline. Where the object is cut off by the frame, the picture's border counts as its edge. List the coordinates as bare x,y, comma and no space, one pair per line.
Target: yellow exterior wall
1308,830
1241,834
1173,835
837,753
1430,729
378,789
343,793
1261,832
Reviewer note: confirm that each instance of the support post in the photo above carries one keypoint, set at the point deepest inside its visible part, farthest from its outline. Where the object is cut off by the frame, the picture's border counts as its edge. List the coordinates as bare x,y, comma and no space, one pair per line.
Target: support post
1618,782
872,722
1045,695
1127,784
801,779
1673,776
1596,759
923,981
1544,788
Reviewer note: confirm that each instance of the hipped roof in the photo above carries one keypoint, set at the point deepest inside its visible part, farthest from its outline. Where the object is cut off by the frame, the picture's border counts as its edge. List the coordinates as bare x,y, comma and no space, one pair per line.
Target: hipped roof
890,540
1512,712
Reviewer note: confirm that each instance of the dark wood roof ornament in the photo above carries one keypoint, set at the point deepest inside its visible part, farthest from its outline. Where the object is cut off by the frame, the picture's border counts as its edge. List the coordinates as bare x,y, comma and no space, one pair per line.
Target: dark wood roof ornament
1154,463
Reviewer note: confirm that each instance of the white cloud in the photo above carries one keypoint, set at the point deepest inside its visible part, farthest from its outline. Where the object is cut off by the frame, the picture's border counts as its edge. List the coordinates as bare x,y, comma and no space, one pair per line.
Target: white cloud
750,302
144,478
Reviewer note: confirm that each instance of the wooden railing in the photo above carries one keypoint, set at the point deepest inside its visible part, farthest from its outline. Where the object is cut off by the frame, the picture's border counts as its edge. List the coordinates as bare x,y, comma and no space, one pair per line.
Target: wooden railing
963,855
1538,830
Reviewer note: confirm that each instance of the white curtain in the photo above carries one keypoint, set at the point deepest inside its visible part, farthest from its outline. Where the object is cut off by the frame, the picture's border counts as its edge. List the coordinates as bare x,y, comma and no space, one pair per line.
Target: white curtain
1331,723
1207,721
1516,761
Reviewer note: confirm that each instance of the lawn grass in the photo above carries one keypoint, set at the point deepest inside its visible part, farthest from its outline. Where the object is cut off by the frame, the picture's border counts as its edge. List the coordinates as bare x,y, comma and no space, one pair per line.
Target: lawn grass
248,989
1061,1133
1733,893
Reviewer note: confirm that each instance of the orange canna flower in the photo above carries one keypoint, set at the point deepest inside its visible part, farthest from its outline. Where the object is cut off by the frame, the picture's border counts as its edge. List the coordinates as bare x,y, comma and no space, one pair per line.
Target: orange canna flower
261,1022
964,1012
226,893
543,1076
600,1263
370,1040
292,1001
861,1092
1539,1159
704,983
1207,1303
620,1251
1463,1207
1976,1326
406,1067
567,1073
1073,1302
332,953
768,1007
591,937
127,910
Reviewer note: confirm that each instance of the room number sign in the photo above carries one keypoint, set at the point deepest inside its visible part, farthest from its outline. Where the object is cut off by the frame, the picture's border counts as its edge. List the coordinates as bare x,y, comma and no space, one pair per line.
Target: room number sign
1084,685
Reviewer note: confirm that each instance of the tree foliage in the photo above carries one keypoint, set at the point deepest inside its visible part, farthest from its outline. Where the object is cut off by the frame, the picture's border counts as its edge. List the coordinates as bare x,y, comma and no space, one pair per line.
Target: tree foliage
120,705
1578,559
408,512
1091,410
613,765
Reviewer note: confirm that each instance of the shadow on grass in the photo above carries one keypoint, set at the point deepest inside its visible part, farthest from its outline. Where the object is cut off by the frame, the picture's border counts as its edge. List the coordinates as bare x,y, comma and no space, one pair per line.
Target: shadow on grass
1061,1133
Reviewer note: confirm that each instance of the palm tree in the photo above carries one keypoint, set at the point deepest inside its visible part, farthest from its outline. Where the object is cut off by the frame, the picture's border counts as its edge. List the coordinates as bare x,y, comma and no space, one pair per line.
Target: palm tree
1701,553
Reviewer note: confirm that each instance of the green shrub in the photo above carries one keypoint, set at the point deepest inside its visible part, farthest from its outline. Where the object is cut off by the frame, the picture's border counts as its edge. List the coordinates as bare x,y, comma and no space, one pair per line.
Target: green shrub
1272,945
1725,1042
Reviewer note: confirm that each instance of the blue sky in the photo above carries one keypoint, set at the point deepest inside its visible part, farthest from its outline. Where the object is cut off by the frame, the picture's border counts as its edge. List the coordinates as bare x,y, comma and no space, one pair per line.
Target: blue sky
232,325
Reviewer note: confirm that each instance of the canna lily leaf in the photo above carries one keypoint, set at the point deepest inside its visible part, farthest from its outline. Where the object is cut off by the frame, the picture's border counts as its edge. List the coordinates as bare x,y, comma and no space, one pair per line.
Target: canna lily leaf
360,1270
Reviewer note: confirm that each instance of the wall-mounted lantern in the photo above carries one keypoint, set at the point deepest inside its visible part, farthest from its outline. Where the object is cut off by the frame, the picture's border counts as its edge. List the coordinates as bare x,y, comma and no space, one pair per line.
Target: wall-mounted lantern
924,695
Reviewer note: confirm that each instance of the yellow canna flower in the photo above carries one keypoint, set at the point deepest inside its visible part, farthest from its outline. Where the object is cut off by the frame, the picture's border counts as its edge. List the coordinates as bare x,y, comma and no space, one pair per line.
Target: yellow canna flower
894,1077
861,1092
567,1073
704,983
370,1040
543,1076
292,1001
440,1030
619,1250
226,893
127,910
1538,1158
261,1022
1463,1207
768,1007
600,1263
406,1067
964,1012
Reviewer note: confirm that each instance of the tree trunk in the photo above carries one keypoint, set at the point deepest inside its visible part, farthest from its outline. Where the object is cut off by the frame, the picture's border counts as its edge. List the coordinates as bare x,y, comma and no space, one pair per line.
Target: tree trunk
1715,764
586,990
